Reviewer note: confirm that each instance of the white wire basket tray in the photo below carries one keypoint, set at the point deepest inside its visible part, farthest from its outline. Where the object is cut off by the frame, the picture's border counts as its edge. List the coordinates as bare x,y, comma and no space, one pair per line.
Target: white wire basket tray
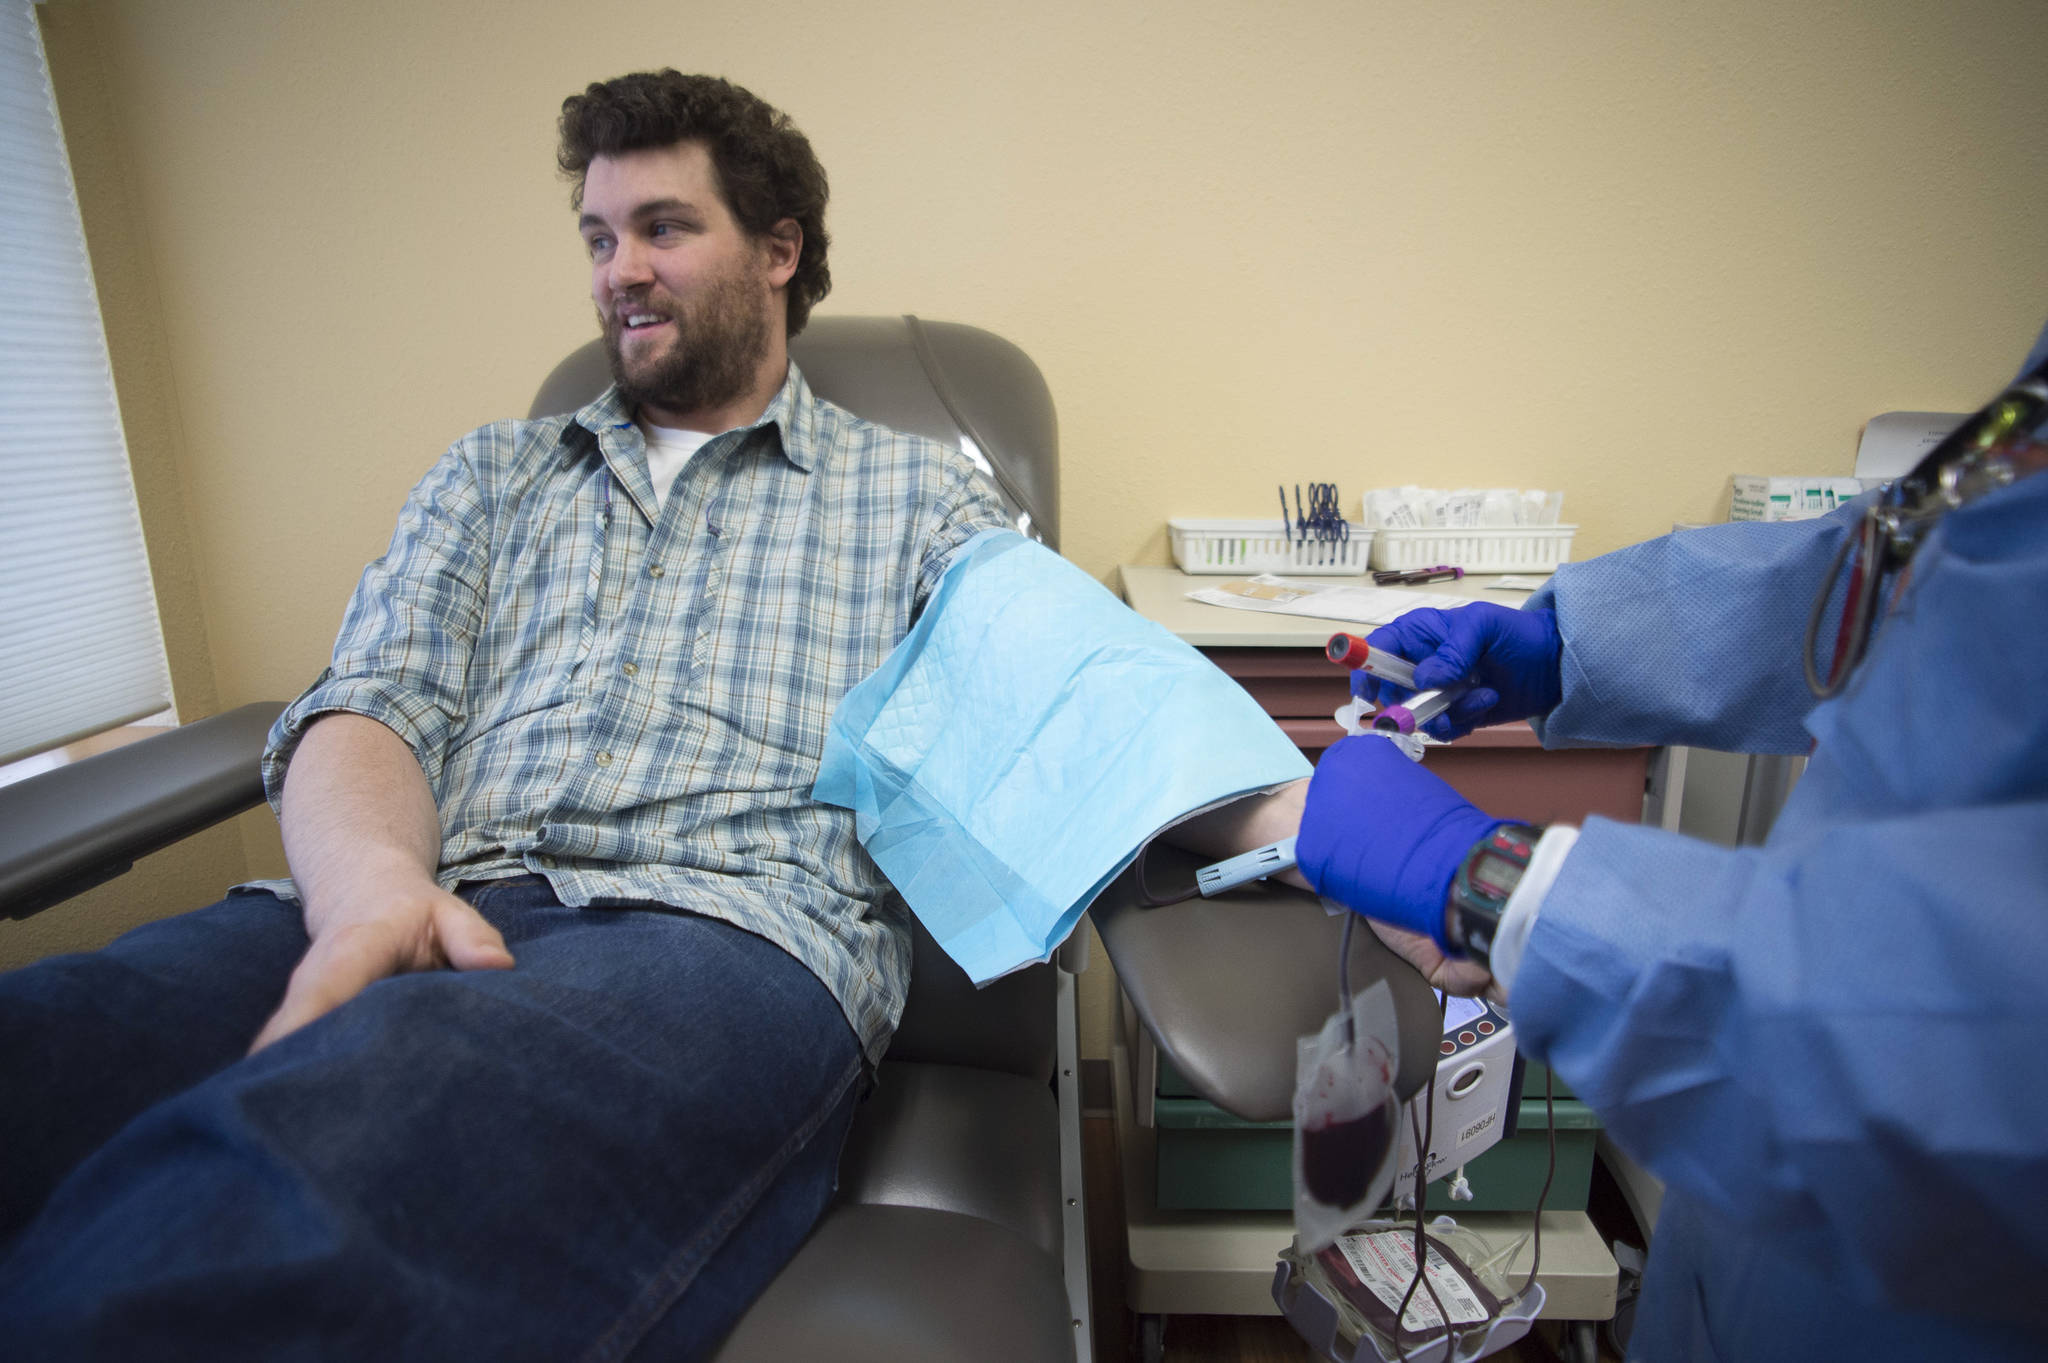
1254,546
1511,549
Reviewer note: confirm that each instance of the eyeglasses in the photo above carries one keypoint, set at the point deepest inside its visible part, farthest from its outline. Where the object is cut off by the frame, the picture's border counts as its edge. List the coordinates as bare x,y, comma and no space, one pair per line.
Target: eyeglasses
2001,444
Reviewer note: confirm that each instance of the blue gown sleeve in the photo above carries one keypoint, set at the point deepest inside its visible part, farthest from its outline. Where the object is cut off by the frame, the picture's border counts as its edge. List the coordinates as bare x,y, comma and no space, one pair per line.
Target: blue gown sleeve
1839,1047
1693,637
1834,1042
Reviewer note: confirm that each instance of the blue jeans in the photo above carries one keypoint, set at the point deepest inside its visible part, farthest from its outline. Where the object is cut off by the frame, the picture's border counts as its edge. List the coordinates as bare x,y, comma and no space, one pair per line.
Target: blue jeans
604,1152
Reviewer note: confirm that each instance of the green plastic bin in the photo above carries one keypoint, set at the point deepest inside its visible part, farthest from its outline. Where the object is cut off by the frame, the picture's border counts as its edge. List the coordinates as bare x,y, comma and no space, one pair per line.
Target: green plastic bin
1212,1161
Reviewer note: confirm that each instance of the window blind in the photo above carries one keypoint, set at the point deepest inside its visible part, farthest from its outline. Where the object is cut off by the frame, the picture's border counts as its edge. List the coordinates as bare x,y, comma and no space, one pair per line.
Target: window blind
80,646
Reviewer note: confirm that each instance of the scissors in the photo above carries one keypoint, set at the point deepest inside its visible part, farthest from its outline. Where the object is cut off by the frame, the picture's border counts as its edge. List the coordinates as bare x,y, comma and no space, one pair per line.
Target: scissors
1322,521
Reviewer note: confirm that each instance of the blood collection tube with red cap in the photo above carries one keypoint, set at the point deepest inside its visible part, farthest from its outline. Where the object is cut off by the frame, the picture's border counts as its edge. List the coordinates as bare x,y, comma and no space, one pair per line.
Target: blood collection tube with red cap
1348,650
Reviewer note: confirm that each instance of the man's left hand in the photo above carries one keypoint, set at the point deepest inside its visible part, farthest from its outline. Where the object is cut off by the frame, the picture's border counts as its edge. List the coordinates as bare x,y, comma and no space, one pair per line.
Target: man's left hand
1452,974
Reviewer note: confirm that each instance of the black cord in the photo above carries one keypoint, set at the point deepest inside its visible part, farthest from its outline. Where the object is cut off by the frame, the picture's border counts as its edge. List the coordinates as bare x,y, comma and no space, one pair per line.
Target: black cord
1423,1139
1454,1336
1344,982
1536,1226
1809,651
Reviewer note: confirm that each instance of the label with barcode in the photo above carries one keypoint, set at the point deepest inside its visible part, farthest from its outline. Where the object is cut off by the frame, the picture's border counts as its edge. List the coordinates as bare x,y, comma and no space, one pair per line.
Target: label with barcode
1385,1263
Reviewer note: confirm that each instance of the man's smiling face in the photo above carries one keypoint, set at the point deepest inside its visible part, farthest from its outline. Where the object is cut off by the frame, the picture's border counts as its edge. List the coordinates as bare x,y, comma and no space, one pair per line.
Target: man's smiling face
690,304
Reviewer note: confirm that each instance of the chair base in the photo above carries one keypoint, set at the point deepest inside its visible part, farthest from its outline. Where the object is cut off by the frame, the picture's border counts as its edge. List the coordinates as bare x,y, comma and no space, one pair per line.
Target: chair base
884,1284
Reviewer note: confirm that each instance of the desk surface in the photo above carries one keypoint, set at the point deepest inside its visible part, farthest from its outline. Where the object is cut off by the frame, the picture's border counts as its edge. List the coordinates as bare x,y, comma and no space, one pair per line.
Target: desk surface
1160,595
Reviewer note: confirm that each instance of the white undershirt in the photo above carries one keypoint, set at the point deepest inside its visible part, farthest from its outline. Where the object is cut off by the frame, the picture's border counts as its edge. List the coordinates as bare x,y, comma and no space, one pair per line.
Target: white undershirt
668,449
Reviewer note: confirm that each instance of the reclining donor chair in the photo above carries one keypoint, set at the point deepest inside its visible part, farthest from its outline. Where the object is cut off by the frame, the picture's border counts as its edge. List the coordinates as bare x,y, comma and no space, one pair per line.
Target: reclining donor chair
959,1227
958,1230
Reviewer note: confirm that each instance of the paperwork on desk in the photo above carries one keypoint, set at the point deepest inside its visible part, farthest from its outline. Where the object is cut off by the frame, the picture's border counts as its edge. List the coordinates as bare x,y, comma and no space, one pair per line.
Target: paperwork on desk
1347,604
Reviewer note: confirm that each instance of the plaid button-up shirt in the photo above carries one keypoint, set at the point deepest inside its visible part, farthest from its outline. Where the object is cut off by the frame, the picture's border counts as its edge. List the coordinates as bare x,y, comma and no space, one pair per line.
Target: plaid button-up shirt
631,700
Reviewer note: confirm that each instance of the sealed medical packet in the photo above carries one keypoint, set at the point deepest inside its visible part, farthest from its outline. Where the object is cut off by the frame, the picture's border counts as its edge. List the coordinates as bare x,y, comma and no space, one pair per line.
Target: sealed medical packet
1342,1298
1371,1272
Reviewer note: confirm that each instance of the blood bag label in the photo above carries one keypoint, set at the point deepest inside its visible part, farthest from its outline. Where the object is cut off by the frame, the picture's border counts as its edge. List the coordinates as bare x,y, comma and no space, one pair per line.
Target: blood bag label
1385,1263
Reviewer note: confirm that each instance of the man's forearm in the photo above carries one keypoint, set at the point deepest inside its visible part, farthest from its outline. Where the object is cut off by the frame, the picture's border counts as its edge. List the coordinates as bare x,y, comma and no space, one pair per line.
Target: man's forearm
356,810
364,841
1244,824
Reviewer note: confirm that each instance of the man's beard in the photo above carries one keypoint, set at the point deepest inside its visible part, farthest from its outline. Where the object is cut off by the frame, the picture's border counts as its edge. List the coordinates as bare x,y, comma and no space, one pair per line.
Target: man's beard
715,357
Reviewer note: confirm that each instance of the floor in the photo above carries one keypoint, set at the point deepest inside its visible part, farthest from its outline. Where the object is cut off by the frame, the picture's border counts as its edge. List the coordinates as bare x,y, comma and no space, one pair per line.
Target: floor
1189,1339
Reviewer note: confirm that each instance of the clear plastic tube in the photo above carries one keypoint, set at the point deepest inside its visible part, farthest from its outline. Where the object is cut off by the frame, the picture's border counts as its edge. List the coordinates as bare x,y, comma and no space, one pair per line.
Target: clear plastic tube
1418,710
1348,650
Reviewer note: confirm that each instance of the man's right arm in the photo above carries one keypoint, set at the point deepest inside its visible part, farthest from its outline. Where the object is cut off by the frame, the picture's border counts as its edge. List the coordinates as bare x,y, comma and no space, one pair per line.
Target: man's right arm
364,840
352,763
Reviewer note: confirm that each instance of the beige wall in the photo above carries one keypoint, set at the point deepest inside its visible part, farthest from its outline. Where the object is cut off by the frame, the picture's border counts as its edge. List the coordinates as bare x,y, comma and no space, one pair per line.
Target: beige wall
193,871
1620,249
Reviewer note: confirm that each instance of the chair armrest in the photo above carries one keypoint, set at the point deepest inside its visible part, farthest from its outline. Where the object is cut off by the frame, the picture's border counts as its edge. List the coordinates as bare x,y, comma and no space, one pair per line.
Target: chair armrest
70,829
1226,985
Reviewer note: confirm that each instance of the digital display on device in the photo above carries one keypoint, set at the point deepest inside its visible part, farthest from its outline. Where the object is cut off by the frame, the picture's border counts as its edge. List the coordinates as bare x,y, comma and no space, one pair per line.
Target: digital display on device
1496,872
1459,1011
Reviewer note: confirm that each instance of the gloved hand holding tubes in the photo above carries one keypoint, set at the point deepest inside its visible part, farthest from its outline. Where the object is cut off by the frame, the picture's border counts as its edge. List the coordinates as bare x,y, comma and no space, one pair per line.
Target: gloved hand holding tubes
1386,838
1379,834
1510,657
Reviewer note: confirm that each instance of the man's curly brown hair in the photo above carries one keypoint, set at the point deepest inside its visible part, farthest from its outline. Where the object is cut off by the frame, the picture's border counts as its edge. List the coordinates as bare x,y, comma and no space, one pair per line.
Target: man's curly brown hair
766,168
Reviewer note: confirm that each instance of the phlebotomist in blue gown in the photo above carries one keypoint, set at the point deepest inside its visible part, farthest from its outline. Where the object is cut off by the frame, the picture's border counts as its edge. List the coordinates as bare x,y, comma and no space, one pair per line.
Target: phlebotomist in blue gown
1833,1048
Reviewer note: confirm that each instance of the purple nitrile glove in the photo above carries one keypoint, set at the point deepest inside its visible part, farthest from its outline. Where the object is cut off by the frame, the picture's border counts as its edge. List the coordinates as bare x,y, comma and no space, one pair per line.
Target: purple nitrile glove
1383,837
1513,658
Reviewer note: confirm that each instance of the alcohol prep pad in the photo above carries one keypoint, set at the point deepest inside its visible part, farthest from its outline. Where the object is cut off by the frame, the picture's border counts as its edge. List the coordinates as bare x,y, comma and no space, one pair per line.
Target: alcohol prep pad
1024,741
